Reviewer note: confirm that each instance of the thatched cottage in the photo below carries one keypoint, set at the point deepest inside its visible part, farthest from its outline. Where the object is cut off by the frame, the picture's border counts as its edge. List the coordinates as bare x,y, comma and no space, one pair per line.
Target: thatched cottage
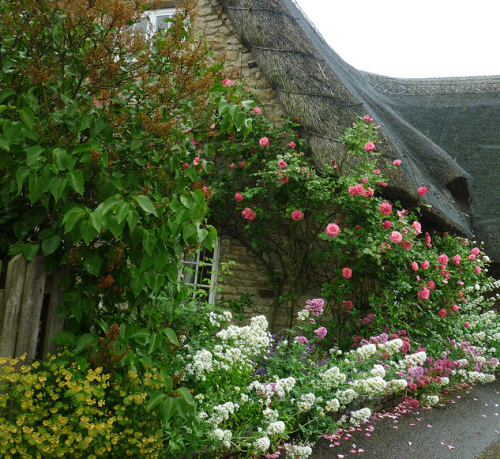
442,129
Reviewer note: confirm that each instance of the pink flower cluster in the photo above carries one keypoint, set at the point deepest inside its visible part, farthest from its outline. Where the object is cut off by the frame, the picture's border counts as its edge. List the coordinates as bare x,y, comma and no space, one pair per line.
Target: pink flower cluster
302,340
227,82
320,332
315,307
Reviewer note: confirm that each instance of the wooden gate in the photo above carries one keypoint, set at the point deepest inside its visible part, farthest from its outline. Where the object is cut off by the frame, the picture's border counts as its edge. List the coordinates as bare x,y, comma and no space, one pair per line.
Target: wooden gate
28,308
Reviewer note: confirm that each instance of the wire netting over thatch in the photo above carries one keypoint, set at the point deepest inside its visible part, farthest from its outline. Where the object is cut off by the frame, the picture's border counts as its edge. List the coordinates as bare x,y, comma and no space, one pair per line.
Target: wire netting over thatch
313,83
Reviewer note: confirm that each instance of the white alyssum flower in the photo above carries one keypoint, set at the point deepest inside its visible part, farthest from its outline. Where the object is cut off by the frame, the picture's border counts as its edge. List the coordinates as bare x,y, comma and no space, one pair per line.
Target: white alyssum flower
445,381
270,415
306,402
360,416
262,444
303,315
199,397
429,400
202,364
298,451
371,386
366,351
276,428
345,396
332,405
378,370
287,383
397,385
330,378
392,346
416,359
244,398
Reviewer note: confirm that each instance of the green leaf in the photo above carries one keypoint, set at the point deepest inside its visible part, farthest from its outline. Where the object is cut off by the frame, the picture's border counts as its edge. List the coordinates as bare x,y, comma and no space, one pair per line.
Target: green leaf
21,175
37,188
76,181
88,231
77,310
191,173
6,94
186,395
154,343
51,244
30,251
149,242
81,148
156,398
33,154
145,204
188,231
133,218
57,186
83,343
93,265
65,338
96,220
60,159
168,408
27,116
4,143
249,104
71,218
172,336
135,144
167,380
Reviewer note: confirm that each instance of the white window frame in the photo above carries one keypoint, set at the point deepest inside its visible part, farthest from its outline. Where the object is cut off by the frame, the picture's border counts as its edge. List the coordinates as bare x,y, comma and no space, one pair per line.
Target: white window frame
152,16
194,265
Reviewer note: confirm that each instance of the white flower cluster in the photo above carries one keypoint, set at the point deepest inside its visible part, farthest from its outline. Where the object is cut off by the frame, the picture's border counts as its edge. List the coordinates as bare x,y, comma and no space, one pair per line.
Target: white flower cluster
332,405
217,318
370,387
303,315
366,351
479,336
416,359
360,416
392,346
445,381
202,363
229,357
476,376
298,451
270,415
345,396
287,383
429,400
262,444
252,339
306,402
276,428
222,413
463,363
378,370
330,378
224,435
397,385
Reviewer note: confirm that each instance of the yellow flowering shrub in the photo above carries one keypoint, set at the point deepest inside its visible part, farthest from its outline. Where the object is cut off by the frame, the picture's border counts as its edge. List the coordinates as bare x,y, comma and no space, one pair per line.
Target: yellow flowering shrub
56,409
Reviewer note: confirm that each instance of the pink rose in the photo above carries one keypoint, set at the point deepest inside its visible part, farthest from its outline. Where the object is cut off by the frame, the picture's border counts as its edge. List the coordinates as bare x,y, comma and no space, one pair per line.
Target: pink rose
347,273
442,312
397,162
424,293
238,197
368,118
249,214
242,164
478,270
335,167
443,259
466,324
282,164
387,224
227,82
283,180
297,215
475,251
364,180
369,193
431,285
321,332
414,266
291,144
407,245
264,142
194,142
396,237
422,190
417,227
472,257
457,259
376,171
257,110
385,208
232,165
425,264
370,146
196,161
332,229
455,307
185,166
382,184
356,190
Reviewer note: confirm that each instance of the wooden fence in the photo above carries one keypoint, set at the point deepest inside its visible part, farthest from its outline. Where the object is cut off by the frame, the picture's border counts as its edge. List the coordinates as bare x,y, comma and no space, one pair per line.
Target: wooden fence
28,308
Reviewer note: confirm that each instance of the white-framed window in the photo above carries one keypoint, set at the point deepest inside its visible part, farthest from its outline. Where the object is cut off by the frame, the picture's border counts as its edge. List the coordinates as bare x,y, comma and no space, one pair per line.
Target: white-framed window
154,20
199,271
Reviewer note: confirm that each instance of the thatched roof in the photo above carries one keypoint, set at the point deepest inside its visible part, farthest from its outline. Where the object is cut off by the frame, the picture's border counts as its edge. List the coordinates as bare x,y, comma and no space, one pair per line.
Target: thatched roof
442,129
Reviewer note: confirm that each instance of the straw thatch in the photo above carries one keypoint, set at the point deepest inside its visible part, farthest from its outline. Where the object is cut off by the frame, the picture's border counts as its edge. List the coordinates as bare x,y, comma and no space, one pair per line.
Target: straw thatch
313,83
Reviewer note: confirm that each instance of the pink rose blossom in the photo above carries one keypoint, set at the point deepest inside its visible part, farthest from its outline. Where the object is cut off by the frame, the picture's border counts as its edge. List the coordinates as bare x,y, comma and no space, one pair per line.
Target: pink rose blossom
238,197
475,251
457,259
397,162
370,146
301,340
442,312
364,180
472,257
242,164
332,229
443,259
257,110
291,144
297,215
414,266
335,167
422,190
455,307
387,224
431,285
264,142
196,161
396,237
369,193
368,118
466,324
249,214
478,270
417,227
407,245
232,165
460,283
185,166
376,171
425,264
194,142
424,293
356,190
227,82
321,332
283,179
282,164
382,184
385,208
347,273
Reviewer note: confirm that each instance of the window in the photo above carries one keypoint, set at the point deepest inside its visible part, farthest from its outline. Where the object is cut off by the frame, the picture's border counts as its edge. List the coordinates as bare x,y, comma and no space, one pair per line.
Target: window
155,20
200,271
